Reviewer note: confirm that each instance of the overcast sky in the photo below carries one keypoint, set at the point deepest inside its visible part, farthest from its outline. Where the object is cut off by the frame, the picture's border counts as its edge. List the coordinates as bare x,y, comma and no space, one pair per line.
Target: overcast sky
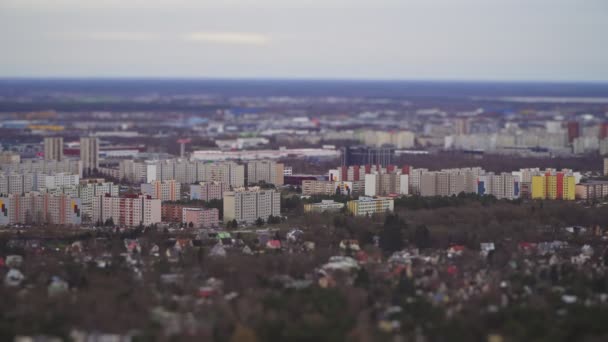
361,39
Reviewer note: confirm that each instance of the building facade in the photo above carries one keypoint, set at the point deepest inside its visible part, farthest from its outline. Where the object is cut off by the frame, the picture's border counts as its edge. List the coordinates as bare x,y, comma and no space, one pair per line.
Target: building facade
200,217
130,211
40,208
182,171
593,190
324,205
247,205
53,148
266,171
206,191
89,154
553,185
86,191
169,190
329,188
369,206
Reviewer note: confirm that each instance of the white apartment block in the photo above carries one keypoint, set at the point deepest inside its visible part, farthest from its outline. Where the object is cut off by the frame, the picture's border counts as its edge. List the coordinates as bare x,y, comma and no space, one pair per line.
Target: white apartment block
182,171
318,187
59,180
130,211
47,167
19,183
400,139
168,190
247,205
447,182
504,185
377,184
266,171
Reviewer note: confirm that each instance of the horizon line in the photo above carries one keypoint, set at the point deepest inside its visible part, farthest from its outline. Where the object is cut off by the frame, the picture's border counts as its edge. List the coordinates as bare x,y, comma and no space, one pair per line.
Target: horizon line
293,79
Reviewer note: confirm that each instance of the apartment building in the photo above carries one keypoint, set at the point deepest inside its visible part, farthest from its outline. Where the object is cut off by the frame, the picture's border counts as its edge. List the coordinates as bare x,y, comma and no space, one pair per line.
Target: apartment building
227,172
415,177
207,191
40,208
172,212
377,184
182,171
504,185
168,190
428,184
369,206
86,191
266,171
354,172
53,148
553,185
47,167
316,187
592,190
324,205
247,205
130,211
7,157
59,180
446,182
399,139
89,154
200,217
18,183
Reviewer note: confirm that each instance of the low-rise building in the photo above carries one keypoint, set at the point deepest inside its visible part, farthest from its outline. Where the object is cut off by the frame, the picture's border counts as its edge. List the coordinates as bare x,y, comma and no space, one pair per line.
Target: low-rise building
324,205
369,205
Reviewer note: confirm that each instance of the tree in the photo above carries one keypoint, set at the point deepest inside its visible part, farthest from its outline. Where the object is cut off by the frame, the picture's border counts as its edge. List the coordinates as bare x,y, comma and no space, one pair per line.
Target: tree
233,224
273,219
422,237
191,224
259,222
391,236
109,222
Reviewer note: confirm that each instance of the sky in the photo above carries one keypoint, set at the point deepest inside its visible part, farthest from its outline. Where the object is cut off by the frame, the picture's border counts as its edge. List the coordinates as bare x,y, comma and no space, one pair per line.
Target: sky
528,40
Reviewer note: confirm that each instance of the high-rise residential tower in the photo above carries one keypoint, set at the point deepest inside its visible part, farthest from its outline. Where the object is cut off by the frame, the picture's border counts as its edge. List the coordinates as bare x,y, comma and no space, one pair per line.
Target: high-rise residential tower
89,154
53,148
